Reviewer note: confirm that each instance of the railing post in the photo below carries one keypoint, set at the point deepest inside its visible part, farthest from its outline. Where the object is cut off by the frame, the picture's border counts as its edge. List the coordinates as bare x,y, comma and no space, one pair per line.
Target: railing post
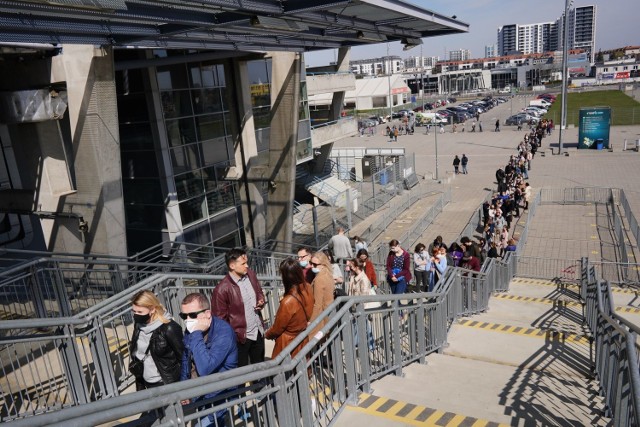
102,362
73,366
283,401
61,291
350,357
397,339
34,288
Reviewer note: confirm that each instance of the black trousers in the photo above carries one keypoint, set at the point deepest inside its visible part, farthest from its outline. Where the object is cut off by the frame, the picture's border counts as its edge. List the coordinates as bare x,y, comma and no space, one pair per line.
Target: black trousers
251,352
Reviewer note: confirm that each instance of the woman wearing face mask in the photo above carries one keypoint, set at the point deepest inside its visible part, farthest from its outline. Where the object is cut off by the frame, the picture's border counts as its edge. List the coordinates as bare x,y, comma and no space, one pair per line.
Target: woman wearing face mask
323,286
436,265
156,343
398,268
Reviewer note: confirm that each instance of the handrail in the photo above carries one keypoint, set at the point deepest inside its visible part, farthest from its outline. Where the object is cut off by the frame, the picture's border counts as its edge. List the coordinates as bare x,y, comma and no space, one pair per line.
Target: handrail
333,122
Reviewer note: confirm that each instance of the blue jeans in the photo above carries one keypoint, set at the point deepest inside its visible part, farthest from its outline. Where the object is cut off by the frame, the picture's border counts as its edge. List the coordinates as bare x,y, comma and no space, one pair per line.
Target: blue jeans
399,287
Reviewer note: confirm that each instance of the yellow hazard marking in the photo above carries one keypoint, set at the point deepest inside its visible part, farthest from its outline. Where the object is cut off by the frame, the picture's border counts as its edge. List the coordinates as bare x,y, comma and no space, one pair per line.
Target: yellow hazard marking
537,300
627,309
523,330
414,415
595,252
594,237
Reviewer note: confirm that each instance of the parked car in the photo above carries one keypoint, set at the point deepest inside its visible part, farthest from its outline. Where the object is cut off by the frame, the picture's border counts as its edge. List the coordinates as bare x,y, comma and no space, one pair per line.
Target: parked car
379,119
367,123
401,113
521,118
451,100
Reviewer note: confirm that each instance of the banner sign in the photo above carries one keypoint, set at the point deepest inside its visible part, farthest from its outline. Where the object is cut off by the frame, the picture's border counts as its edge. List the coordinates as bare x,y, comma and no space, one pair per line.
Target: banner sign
593,131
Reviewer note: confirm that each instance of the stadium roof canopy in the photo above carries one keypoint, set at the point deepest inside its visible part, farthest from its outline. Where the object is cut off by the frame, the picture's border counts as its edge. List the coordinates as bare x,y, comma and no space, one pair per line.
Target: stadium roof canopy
240,25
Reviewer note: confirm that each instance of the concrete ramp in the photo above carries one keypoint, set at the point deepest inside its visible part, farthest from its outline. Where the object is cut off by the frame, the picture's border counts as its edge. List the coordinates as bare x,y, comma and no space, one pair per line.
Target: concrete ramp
525,362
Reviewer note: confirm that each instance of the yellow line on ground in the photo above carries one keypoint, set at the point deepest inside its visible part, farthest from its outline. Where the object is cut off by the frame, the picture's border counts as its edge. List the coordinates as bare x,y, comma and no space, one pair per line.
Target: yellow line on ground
411,418
632,310
536,300
523,330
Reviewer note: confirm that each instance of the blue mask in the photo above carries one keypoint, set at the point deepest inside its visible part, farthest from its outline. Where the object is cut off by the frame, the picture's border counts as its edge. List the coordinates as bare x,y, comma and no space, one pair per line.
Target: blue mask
303,263
316,270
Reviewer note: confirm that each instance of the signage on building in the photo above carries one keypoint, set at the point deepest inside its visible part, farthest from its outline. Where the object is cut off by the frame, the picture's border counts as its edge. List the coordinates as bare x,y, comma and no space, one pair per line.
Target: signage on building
622,75
397,90
260,89
606,75
593,130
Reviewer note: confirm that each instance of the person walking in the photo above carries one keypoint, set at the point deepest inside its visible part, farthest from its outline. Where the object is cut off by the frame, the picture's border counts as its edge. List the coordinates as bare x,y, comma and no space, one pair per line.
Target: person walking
295,309
497,125
340,246
480,125
456,164
238,300
156,346
398,268
464,162
420,258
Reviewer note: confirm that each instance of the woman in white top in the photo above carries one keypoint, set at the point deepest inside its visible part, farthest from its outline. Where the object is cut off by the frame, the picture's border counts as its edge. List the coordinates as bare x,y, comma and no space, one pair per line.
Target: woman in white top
420,259
359,285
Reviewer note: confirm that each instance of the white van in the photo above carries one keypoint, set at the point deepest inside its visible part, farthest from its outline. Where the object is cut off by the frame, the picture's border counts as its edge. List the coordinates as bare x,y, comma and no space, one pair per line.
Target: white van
540,102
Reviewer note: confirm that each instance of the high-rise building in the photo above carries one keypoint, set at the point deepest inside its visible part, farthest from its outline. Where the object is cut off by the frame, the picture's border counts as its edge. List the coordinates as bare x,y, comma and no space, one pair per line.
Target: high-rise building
548,36
459,55
582,29
491,50
377,66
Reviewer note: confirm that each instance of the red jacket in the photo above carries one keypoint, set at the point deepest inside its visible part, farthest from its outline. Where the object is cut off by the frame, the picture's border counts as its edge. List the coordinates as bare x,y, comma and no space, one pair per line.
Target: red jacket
227,304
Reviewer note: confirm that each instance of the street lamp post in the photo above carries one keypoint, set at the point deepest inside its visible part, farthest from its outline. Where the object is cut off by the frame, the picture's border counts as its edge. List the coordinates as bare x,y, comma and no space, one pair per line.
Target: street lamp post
388,65
563,109
435,133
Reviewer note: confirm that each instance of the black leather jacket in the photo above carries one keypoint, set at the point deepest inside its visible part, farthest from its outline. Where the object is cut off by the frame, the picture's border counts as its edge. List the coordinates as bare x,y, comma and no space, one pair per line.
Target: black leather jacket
166,350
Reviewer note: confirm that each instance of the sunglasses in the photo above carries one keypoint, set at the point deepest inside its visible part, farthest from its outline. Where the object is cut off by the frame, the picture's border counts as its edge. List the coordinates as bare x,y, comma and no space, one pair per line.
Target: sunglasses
313,264
193,315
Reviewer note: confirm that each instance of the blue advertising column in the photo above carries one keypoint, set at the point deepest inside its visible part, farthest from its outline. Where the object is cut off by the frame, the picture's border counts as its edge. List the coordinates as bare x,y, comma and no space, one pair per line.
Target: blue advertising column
593,131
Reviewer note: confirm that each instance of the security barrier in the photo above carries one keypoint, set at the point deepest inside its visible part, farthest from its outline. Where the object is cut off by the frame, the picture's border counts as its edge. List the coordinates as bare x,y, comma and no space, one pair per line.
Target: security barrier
616,350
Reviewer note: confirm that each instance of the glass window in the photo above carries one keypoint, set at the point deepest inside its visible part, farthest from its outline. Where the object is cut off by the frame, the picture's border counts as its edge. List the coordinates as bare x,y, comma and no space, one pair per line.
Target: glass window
145,191
262,117
210,127
186,158
195,75
181,132
176,104
136,136
145,216
173,77
139,164
132,108
188,185
206,101
193,210
215,151
221,199
129,81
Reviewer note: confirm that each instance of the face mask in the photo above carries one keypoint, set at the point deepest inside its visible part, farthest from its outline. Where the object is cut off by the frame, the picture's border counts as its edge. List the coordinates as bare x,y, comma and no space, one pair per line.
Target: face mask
303,263
316,270
190,324
440,256
141,318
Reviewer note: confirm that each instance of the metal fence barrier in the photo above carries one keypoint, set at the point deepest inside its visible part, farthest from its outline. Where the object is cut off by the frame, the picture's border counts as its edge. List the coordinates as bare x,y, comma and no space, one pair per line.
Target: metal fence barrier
379,254
616,350
85,357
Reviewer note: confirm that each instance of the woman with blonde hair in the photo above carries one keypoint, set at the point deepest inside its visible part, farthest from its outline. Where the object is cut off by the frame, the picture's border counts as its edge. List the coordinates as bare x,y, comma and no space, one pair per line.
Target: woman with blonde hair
156,345
322,285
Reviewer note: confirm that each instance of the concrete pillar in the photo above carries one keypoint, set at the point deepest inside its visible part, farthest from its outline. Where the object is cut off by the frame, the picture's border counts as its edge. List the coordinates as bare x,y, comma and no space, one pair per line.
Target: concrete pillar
285,94
342,65
248,170
337,102
93,119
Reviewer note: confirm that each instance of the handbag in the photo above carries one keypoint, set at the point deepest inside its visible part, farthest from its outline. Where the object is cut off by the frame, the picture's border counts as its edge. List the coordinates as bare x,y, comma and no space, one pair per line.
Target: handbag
136,366
373,304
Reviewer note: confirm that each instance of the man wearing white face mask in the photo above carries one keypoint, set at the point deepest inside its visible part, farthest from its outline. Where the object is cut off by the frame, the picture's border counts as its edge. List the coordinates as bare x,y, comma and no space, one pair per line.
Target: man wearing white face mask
209,346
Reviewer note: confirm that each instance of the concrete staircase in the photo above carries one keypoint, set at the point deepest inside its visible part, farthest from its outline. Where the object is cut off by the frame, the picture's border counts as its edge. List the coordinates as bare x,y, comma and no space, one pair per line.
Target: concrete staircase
526,361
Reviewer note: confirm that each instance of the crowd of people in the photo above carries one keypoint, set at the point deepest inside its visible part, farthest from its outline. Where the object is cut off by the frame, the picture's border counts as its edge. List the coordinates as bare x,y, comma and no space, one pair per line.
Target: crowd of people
227,331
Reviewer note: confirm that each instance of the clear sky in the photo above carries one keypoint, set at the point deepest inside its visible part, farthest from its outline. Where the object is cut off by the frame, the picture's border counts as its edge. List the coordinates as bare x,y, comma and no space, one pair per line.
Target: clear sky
617,25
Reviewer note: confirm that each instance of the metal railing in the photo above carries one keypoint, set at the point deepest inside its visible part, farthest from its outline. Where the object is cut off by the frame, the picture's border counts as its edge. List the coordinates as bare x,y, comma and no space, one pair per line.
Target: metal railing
86,356
616,350
379,254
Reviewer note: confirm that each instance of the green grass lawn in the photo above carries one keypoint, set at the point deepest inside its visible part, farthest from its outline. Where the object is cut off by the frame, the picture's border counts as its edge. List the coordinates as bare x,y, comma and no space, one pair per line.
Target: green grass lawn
624,109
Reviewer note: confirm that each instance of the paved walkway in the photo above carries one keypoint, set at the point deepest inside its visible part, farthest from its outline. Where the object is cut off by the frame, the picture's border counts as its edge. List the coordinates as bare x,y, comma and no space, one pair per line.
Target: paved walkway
524,362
